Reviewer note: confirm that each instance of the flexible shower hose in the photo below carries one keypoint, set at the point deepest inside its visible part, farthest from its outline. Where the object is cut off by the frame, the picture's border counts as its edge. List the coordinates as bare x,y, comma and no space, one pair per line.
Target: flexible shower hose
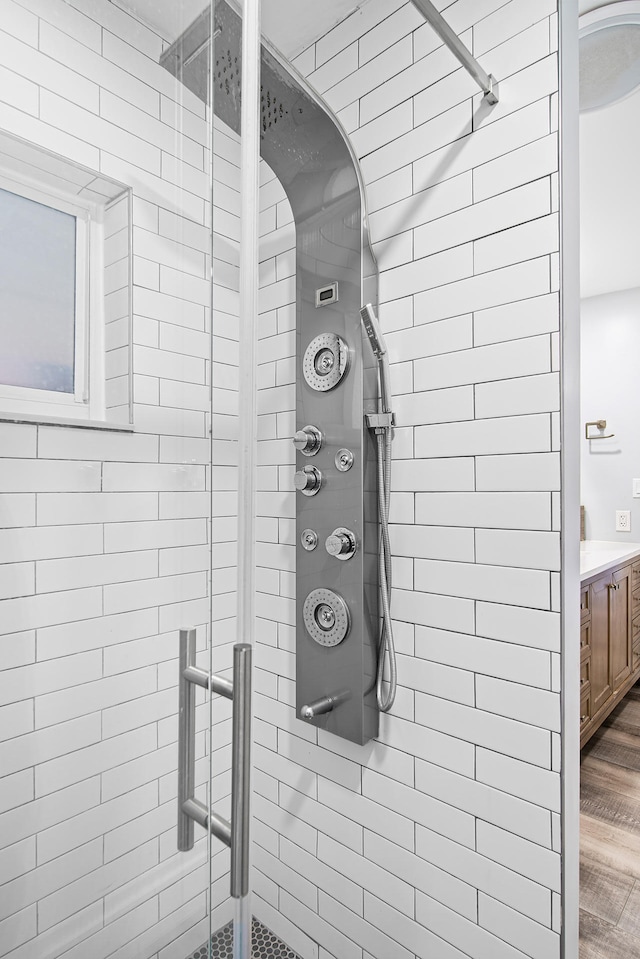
386,648
382,425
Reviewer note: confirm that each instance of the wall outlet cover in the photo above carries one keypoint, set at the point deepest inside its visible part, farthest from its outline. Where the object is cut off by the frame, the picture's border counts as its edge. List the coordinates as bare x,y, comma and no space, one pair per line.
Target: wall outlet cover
623,520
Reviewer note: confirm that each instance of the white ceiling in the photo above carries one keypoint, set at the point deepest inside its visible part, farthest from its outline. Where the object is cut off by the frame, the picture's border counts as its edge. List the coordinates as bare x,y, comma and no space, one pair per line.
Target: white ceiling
291,25
586,6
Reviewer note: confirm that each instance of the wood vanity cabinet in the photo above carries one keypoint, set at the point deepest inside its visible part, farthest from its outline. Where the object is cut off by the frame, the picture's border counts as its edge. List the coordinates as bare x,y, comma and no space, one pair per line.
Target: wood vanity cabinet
609,643
600,672
635,617
620,626
585,657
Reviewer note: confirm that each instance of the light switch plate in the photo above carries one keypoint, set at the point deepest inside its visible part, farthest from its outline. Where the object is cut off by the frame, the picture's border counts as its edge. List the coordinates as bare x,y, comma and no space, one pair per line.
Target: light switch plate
636,488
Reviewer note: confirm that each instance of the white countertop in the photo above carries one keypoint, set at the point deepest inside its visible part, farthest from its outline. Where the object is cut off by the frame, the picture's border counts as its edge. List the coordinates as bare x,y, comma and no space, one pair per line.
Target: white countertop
597,555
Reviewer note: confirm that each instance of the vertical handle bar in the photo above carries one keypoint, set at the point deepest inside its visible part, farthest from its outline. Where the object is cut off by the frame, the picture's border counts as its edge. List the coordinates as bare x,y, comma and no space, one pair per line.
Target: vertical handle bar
241,770
234,834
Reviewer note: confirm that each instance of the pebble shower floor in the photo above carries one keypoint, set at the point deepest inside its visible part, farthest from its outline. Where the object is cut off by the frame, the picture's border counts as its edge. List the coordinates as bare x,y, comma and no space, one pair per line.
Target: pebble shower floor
264,945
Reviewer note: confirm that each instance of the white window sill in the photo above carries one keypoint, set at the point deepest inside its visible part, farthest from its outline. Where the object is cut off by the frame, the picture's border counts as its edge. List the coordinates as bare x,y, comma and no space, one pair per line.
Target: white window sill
44,420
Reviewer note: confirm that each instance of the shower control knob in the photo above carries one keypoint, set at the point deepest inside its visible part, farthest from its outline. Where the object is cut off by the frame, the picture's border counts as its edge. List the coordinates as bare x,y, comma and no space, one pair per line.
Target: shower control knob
343,460
308,480
341,543
308,440
309,539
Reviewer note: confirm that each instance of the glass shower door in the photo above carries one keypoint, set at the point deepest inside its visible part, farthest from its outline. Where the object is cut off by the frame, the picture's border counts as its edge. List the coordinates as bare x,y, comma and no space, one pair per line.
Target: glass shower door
235,67
106,490
214,57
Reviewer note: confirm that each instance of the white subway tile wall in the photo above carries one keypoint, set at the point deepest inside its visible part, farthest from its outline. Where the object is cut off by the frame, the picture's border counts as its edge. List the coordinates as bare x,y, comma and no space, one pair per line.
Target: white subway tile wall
104,539
441,838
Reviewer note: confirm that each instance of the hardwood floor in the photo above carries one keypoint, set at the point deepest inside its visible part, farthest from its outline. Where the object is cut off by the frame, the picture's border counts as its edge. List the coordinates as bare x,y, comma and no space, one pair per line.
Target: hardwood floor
610,836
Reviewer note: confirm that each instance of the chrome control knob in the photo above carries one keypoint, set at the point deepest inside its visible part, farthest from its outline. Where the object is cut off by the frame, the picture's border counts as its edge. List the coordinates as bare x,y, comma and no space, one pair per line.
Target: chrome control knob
341,543
308,480
308,440
343,460
309,539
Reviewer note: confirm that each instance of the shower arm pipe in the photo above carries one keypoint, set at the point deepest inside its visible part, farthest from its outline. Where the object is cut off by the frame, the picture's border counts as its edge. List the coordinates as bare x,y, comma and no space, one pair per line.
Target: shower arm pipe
485,81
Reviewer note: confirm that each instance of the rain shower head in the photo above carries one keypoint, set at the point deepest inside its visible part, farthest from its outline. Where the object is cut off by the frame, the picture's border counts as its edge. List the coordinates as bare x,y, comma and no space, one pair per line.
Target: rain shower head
295,130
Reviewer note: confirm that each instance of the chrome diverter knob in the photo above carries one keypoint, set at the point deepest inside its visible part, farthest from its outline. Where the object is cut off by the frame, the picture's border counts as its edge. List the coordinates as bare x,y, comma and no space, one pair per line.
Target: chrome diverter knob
308,440
341,543
308,480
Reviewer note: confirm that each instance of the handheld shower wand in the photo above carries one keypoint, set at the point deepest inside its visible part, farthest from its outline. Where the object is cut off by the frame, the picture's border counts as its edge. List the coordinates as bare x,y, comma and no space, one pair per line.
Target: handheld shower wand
382,425
372,329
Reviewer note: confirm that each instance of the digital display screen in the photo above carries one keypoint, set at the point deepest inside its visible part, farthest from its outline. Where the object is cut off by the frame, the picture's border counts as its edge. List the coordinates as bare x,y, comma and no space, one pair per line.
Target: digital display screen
327,294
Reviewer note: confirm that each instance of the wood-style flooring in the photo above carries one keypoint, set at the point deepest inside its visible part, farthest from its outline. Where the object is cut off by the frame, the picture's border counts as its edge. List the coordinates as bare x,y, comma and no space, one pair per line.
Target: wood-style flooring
610,836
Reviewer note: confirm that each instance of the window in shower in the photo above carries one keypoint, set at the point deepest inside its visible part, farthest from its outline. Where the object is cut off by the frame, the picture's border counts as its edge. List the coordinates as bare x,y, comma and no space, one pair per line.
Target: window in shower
42,293
65,290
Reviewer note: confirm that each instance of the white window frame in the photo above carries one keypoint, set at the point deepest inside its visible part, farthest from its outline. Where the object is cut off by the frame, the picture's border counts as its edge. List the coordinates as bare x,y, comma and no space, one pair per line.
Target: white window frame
88,400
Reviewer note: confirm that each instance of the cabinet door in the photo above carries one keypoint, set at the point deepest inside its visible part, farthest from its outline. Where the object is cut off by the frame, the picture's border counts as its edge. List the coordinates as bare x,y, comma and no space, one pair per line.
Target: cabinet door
601,687
635,642
585,609
620,626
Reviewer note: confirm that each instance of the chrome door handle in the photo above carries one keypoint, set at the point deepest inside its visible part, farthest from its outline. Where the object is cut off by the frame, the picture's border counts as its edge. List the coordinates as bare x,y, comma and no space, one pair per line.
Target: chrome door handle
234,833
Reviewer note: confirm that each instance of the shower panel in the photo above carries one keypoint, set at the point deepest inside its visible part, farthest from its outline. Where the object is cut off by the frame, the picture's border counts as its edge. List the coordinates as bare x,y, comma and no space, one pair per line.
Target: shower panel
336,478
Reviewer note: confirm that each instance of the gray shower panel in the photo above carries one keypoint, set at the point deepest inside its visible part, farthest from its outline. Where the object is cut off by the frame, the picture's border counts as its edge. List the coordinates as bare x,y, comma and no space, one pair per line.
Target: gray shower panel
310,155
